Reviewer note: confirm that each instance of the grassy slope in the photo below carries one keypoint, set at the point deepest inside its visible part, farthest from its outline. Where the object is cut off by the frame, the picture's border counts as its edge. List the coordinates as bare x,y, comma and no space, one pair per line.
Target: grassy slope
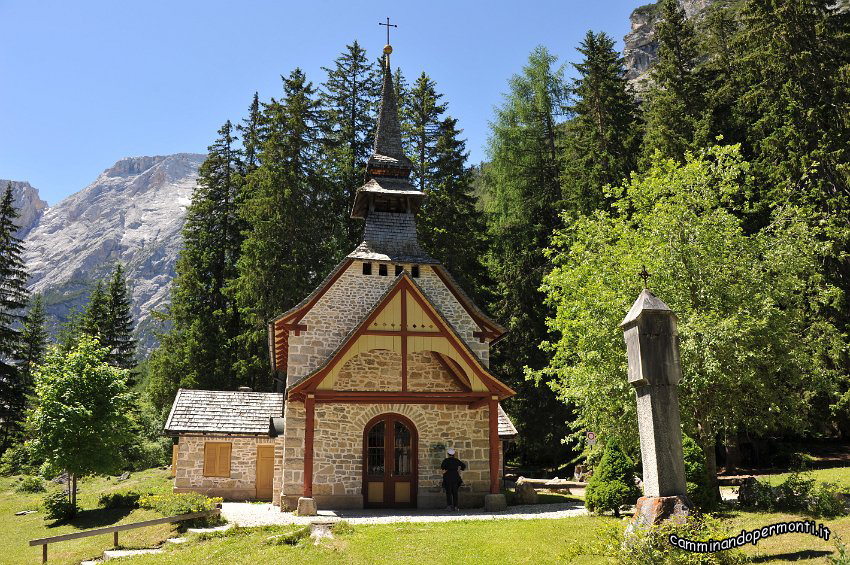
838,475
18,530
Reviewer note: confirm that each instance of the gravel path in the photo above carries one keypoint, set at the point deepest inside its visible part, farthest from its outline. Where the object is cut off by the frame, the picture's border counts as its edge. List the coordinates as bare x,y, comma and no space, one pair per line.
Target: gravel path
247,514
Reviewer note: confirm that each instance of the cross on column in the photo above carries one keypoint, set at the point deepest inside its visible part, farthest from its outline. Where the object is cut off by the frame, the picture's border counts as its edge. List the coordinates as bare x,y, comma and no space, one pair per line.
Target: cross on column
644,274
389,25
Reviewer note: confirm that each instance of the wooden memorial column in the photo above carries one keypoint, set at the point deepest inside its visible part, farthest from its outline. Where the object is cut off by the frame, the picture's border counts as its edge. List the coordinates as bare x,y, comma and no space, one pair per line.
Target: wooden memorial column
310,409
494,444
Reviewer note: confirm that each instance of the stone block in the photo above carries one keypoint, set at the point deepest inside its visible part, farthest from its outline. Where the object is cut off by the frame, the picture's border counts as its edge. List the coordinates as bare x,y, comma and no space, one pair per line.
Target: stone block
307,507
495,503
653,510
525,492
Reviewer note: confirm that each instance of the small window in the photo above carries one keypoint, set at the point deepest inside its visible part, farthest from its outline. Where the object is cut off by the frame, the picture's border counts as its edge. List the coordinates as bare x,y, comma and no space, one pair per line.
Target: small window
367,268
216,459
414,271
382,270
398,270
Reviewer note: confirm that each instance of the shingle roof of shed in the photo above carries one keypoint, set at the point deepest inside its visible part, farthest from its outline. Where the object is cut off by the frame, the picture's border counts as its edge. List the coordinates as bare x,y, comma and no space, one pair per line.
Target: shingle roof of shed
218,411
506,427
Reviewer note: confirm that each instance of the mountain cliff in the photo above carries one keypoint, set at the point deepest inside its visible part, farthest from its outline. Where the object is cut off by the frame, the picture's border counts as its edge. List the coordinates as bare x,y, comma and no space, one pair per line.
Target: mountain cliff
28,203
133,213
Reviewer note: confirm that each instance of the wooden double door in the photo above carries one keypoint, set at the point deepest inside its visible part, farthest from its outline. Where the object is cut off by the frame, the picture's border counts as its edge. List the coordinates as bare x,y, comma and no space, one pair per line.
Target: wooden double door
390,447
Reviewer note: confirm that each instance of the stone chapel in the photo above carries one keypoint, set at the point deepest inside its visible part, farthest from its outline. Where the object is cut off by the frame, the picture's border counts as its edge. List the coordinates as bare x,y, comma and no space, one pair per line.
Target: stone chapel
386,368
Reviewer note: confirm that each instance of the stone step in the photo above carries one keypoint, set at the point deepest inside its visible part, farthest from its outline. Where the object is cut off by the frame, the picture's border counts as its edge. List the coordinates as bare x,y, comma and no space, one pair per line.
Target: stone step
119,553
208,530
176,540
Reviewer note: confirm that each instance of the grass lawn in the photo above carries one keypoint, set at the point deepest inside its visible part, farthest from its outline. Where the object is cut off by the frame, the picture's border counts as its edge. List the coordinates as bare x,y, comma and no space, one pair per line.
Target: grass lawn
838,475
18,530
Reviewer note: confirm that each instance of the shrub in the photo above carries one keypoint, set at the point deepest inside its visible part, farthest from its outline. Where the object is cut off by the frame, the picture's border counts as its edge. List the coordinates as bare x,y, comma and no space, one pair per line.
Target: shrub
612,484
653,545
17,460
57,507
842,556
797,493
128,499
146,454
30,484
182,503
290,538
699,488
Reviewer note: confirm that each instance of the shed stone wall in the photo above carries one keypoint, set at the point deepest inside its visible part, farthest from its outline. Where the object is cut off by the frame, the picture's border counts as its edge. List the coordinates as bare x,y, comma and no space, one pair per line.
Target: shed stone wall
241,485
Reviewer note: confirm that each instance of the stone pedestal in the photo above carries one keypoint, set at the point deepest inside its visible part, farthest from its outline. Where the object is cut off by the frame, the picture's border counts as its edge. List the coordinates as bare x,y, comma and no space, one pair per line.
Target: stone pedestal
306,507
653,510
495,503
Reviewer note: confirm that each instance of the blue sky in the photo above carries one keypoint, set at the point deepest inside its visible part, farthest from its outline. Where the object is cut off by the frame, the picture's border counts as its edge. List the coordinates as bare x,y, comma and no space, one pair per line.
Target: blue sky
83,84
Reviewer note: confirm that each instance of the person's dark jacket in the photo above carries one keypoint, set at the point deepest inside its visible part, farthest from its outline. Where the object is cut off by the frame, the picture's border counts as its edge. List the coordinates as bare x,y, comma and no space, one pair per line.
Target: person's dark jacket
452,466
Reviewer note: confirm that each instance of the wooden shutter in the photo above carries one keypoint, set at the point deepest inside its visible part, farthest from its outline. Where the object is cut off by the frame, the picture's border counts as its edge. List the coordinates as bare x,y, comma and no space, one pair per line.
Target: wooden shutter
216,459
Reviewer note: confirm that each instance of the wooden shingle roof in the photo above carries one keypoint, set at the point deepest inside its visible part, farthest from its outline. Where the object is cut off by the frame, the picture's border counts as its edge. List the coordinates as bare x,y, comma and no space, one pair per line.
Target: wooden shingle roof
506,427
219,411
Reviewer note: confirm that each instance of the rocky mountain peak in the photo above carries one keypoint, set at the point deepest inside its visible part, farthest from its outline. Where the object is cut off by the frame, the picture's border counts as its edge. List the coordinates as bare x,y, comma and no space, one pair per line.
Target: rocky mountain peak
30,206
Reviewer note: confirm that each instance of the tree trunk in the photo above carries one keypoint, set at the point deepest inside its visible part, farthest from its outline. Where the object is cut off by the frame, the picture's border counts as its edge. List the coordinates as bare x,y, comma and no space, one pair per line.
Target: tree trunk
709,442
733,452
73,484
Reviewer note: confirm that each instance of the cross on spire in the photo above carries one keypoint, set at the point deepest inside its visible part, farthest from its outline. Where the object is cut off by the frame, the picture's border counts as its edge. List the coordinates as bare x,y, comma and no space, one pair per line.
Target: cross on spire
644,274
389,25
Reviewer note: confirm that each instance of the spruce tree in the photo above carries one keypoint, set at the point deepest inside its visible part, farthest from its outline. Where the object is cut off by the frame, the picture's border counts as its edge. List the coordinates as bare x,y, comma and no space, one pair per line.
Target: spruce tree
33,341
423,113
612,485
119,322
13,298
251,129
348,98
286,251
94,321
449,213
199,349
675,115
602,137
522,182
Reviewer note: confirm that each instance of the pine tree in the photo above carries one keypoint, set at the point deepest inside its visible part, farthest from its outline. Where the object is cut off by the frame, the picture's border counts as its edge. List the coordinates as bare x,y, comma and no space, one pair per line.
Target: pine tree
423,113
612,485
33,341
252,134
348,97
449,212
13,298
522,183
205,319
94,321
119,322
286,251
675,116
602,137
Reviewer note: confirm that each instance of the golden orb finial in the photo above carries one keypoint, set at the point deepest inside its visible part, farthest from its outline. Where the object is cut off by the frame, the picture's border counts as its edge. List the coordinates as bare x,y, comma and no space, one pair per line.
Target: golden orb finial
388,48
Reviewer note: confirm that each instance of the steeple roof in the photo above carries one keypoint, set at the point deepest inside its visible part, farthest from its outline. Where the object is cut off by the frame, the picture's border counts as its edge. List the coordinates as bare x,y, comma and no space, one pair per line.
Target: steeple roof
387,187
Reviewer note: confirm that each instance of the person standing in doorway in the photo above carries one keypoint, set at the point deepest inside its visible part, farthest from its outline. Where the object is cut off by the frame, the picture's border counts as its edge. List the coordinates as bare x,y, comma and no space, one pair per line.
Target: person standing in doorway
451,467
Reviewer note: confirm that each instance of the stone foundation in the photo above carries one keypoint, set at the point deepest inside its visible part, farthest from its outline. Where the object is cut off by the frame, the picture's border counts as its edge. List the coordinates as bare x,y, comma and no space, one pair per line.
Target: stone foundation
241,484
653,510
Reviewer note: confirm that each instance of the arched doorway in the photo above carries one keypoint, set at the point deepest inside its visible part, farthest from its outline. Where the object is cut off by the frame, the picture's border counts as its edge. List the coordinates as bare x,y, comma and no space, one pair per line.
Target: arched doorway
390,462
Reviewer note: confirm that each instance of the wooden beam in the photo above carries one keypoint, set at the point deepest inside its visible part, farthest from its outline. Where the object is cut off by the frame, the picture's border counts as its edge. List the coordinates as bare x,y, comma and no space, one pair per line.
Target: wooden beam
404,340
480,402
494,444
358,396
309,406
398,332
451,370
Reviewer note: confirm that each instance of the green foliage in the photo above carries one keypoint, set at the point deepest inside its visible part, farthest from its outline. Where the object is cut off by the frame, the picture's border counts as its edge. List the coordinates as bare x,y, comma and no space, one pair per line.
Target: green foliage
118,336
127,499
746,304
80,419
612,484
295,537
601,140
30,484
18,460
843,553
700,490
33,341
799,492
57,506
653,545
13,298
181,503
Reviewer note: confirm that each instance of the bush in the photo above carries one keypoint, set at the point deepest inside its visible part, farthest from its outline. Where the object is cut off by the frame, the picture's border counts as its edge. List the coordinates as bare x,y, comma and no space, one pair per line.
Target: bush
146,454
612,484
699,488
182,503
797,493
653,545
30,484
17,460
57,507
128,499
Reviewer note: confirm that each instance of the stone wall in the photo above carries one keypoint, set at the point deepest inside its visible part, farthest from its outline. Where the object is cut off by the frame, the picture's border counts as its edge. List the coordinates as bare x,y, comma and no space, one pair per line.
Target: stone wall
426,374
241,485
348,300
374,370
338,451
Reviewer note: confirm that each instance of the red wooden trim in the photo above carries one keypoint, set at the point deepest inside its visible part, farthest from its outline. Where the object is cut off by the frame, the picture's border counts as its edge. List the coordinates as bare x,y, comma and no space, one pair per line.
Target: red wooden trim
479,403
388,418
404,340
451,370
309,406
494,445
358,397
